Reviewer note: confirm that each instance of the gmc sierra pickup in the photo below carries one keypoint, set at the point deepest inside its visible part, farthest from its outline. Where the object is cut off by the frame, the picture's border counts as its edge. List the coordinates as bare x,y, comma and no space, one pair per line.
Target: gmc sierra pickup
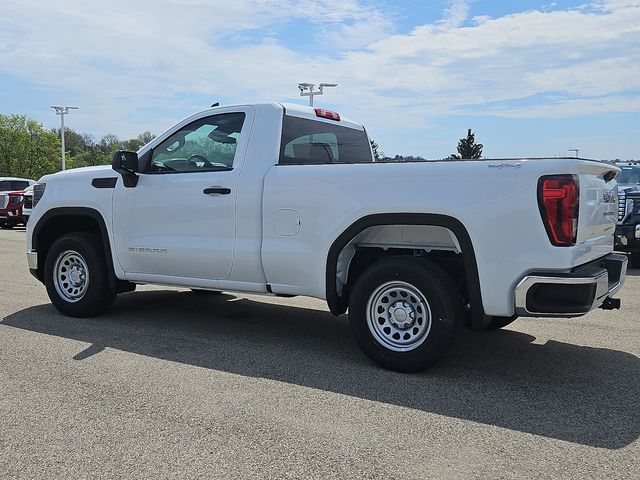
287,200
12,201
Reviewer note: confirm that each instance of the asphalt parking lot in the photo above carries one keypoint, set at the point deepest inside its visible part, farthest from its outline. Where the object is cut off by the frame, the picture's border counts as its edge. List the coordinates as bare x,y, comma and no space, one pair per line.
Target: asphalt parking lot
173,384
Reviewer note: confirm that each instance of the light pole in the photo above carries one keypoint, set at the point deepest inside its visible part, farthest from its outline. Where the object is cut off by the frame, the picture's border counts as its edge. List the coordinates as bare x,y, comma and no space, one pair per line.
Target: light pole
306,90
62,111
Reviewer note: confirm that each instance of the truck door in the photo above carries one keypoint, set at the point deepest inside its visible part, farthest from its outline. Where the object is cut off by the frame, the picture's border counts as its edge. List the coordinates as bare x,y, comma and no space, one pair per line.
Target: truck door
179,220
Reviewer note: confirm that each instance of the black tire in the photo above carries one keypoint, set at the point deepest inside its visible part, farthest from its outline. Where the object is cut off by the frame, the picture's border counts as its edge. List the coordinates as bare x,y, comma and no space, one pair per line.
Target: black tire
443,302
500,322
634,259
95,295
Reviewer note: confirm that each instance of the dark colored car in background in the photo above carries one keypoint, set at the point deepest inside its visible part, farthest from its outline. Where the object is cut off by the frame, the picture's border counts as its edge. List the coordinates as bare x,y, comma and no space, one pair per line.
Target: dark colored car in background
627,237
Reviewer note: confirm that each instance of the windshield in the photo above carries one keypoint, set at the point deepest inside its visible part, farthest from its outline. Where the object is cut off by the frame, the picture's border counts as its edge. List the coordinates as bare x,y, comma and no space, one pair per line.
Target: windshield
629,176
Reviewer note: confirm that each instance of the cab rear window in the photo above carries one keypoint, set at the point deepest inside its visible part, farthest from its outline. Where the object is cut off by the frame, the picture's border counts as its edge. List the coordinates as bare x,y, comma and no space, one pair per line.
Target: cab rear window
309,142
8,185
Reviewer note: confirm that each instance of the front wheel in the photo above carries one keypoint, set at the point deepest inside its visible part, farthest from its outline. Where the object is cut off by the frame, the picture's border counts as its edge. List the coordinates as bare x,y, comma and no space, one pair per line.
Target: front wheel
76,275
403,313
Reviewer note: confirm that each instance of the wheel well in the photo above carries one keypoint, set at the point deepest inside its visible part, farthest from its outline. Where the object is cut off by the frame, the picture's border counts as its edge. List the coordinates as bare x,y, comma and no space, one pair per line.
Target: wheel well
58,222
450,262
442,239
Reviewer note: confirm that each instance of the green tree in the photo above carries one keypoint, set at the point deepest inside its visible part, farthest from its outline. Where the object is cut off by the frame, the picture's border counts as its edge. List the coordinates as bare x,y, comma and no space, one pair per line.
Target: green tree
91,157
97,153
468,148
109,143
26,148
378,154
134,144
74,142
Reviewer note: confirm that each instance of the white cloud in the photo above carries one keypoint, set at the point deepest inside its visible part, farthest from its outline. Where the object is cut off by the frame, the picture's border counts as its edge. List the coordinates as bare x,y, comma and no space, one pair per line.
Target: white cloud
513,57
455,14
612,5
559,108
127,58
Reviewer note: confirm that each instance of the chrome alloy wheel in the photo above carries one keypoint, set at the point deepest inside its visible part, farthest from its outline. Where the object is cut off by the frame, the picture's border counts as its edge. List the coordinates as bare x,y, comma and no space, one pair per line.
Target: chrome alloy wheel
70,276
398,316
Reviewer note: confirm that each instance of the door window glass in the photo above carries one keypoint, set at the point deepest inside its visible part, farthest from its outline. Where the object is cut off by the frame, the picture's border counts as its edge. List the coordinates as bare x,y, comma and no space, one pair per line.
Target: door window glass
208,144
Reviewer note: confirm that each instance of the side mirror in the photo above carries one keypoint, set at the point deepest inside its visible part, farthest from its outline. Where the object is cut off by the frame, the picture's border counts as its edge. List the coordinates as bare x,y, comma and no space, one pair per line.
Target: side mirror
126,164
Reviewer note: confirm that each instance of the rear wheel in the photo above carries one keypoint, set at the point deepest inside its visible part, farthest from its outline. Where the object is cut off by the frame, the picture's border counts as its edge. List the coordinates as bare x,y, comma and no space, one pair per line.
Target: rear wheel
76,275
403,313
634,259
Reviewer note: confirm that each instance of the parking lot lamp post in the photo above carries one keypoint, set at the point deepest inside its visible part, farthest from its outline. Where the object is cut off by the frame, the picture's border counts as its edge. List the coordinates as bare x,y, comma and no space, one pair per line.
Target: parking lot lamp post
62,111
306,90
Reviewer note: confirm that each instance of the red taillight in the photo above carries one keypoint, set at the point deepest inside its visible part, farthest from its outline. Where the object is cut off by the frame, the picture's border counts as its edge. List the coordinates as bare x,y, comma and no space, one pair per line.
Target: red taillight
321,112
558,199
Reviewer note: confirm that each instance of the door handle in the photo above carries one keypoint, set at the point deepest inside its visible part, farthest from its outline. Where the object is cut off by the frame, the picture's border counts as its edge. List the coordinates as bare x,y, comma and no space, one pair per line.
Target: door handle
217,190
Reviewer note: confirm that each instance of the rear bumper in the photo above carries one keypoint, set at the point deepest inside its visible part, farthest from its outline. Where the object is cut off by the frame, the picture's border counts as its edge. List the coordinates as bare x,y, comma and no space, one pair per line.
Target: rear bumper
573,293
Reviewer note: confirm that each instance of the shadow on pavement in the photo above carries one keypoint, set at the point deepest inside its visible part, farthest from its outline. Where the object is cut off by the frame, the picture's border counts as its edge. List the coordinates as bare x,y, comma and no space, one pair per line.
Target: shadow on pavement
562,391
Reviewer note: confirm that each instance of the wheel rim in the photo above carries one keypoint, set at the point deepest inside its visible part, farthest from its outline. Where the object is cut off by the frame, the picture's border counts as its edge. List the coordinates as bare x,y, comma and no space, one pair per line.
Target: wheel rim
70,276
398,316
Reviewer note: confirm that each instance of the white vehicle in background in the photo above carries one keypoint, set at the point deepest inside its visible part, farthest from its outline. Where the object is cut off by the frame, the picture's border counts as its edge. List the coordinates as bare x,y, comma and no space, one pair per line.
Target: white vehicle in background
27,206
14,184
287,200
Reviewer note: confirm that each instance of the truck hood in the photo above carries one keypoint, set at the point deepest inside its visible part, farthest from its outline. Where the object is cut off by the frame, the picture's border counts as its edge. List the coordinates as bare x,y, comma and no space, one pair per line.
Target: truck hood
78,173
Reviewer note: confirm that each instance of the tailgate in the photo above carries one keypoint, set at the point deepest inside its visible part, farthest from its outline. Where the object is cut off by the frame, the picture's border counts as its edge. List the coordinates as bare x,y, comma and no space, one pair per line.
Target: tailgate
598,208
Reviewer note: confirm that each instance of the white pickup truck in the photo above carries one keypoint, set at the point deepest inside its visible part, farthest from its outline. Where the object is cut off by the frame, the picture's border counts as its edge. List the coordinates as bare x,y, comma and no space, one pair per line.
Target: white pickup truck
287,200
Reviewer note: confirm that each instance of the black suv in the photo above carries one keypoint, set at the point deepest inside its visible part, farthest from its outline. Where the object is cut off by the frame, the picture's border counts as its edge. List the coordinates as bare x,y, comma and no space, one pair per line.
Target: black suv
627,238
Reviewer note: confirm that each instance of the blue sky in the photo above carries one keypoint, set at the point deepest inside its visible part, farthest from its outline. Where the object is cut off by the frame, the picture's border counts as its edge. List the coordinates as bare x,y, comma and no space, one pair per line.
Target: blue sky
530,78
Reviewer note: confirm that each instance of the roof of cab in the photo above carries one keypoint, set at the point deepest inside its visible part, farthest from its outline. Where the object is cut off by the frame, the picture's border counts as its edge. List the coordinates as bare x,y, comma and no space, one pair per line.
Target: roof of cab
295,110
304,111
18,179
